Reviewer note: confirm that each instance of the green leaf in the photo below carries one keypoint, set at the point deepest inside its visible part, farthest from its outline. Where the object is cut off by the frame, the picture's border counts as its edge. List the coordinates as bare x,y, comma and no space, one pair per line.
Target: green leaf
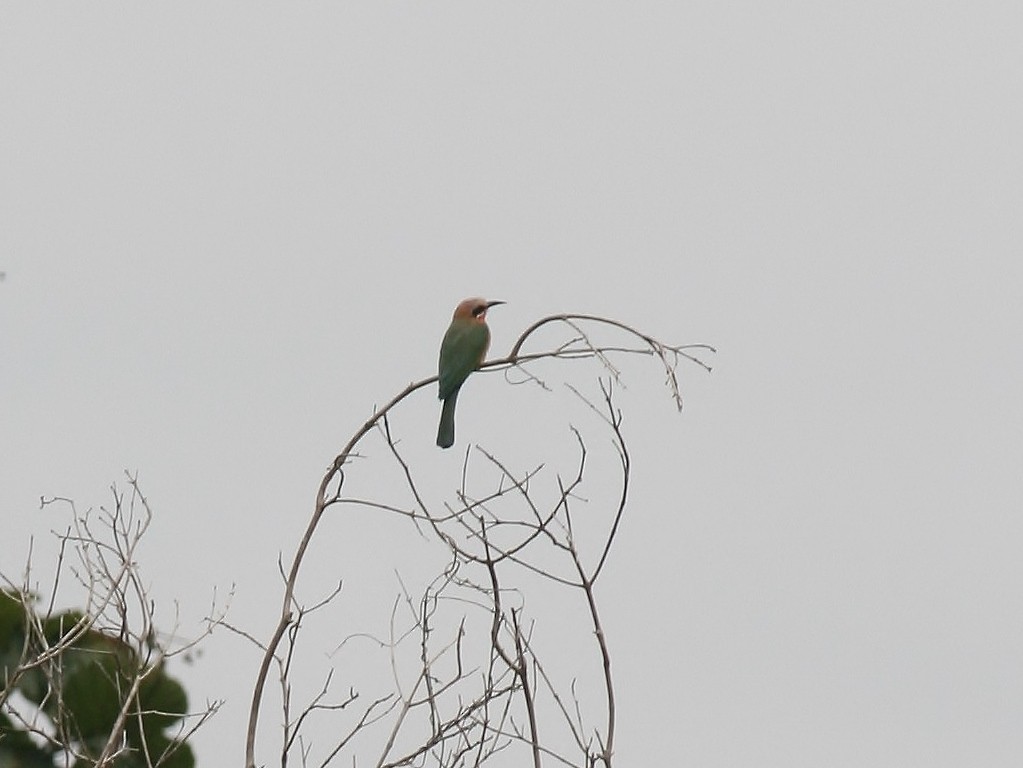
12,633
17,750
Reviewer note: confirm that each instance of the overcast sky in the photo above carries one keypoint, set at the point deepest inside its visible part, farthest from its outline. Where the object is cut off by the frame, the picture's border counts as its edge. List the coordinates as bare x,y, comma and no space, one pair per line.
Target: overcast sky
229,230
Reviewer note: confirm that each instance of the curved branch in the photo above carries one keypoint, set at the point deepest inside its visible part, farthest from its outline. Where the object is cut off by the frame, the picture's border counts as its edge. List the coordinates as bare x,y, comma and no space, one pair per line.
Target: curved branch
289,591
514,358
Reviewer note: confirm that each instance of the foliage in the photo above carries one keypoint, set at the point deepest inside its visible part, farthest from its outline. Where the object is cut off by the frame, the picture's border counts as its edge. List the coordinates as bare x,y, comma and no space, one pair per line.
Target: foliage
91,697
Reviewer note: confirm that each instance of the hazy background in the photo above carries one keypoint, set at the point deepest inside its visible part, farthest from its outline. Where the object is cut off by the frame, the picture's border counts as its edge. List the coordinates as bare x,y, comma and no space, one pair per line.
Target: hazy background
229,230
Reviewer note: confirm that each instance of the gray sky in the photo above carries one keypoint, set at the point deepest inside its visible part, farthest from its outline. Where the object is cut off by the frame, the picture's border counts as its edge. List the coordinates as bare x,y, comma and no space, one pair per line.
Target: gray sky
229,231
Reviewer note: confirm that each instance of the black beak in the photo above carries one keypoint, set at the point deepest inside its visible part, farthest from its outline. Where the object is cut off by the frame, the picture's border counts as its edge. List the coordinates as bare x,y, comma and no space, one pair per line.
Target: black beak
494,303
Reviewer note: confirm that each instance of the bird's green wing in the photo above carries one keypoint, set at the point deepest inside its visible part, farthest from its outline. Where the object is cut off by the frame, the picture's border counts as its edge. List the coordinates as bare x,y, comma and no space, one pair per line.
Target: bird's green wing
461,352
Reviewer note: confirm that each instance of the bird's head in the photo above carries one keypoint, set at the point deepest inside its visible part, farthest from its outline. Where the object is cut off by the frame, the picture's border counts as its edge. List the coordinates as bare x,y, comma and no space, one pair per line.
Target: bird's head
474,309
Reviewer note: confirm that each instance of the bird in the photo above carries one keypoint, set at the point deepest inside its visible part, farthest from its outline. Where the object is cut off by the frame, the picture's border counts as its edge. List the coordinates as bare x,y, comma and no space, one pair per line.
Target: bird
461,352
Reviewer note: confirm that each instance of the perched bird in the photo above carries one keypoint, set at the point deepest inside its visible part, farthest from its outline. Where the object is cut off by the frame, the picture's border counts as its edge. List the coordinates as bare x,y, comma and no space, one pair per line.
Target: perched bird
462,351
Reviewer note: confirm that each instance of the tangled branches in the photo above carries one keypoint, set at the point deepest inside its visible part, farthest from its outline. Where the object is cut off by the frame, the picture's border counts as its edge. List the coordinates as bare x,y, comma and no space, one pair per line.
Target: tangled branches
89,687
480,685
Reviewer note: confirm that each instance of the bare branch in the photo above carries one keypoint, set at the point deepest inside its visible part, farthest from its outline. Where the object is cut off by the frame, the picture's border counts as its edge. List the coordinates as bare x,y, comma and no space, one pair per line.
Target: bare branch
455,726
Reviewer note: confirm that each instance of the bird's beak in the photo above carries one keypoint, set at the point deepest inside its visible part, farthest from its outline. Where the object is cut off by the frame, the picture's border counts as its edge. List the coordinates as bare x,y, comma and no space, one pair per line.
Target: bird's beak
494,303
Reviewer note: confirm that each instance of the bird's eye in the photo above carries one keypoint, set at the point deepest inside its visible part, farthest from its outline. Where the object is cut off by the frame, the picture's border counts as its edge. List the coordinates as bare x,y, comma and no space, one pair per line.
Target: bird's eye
477,311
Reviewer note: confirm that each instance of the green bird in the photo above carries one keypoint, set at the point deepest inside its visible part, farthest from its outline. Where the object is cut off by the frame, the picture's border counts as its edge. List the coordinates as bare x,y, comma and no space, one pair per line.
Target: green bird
462,351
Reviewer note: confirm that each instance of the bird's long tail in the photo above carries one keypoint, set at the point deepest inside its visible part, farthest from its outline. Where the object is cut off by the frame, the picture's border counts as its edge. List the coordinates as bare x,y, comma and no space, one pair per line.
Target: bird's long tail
446,429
